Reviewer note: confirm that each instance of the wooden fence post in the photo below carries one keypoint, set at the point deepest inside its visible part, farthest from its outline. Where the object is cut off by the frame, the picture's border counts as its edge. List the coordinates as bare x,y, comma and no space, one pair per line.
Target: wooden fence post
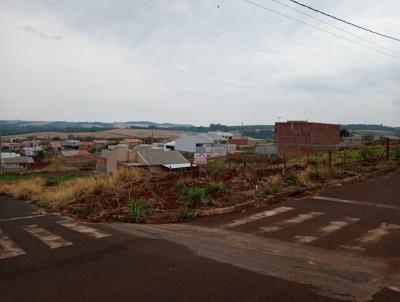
387,149
284,161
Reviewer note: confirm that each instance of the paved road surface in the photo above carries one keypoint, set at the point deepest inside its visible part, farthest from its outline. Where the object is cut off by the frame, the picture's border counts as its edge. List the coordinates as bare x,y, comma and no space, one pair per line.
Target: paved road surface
342,245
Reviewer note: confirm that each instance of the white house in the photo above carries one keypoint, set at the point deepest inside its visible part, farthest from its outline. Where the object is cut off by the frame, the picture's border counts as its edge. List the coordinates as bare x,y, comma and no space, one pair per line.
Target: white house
32,151
211,143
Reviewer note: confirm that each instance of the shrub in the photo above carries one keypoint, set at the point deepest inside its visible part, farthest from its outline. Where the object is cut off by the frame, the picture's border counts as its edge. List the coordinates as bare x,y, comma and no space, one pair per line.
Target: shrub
320,173
268,190
140,209
195,195
292,179
185,213
216,187
367,153
396,153
235,198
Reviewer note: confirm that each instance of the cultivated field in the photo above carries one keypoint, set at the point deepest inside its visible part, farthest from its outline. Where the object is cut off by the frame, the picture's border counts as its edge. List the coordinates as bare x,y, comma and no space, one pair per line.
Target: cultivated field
108,134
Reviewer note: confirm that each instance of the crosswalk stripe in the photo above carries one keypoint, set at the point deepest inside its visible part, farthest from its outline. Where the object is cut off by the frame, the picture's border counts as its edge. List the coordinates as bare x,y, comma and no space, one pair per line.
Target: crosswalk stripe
394,288
8,248
258,216
325,230
92,232
53,241
290,222
371,237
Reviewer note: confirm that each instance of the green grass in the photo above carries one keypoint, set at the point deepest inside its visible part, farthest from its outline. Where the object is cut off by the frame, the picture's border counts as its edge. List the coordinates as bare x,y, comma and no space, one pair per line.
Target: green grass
195,195
185,213
13,178
292,179
140,209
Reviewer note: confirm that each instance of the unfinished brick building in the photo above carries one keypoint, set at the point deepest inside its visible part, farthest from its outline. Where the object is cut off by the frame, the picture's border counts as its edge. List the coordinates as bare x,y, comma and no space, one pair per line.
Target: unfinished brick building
298,138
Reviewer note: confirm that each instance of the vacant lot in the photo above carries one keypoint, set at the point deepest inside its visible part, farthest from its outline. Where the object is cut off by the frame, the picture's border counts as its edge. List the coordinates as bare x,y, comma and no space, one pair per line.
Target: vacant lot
139,196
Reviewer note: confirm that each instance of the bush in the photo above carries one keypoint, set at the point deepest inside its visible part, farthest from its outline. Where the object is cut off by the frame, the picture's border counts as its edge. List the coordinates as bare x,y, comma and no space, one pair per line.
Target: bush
235,198
320,173
185,213
195,195
268,190
140,209
216,187
396,153
367,153
292,179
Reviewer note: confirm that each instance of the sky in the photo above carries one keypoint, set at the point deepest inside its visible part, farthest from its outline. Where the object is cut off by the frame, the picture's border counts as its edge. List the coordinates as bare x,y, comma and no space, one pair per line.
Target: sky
197,62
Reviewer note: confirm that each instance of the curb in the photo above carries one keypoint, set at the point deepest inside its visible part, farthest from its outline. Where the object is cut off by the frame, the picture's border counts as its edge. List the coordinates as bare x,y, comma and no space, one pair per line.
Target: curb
254,203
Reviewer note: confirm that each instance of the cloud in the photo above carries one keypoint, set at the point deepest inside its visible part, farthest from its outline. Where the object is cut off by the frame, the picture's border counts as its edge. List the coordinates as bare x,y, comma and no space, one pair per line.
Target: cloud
396,102
42,34
191,62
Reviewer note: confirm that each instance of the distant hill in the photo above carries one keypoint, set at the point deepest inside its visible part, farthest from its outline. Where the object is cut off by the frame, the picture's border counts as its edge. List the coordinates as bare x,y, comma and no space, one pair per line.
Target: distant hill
18,127
13,127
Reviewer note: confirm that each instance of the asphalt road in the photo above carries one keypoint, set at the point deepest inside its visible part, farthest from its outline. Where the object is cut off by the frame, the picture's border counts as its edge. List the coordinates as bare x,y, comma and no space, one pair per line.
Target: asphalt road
342,245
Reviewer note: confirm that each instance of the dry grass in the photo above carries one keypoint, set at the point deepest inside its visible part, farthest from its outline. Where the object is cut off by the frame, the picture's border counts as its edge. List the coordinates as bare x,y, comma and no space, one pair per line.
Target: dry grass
55,167
59,196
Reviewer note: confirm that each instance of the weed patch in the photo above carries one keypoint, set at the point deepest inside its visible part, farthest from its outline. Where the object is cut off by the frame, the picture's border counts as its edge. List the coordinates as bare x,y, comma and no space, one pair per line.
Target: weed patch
139,210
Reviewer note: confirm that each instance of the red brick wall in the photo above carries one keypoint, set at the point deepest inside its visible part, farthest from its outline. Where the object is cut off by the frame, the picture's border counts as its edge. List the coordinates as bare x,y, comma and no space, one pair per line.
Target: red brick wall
301,138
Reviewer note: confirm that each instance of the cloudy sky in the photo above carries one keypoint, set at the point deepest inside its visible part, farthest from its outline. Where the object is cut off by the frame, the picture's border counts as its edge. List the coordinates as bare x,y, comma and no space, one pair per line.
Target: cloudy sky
190,61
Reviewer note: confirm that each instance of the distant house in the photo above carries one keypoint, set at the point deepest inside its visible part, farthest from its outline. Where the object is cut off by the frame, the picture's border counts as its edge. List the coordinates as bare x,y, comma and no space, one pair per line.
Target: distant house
351,141
32,151
266,150
86,145
71,144
145,157
211,143
100,142
54,147
20,162
131,142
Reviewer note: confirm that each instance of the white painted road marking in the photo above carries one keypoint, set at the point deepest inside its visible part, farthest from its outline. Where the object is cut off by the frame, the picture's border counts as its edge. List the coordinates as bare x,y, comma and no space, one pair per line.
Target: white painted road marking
51,240
8,248
92,232
359,203
394,288
258,216
20,218
325,230
371,237
290,222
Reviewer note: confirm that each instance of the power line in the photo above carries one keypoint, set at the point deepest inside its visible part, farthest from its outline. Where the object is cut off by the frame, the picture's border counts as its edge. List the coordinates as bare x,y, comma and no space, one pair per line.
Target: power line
320,29
336,27
344,21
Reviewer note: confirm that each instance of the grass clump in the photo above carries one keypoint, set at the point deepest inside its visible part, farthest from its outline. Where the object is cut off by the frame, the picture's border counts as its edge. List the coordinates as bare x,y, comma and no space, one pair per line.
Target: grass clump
140,208
396,152
54,167
186,213
195,195
293,179
216,187
368,153
319,173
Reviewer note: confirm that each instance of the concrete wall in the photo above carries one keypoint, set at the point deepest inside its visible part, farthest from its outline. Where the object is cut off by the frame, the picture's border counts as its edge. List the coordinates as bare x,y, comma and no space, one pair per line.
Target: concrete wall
295,139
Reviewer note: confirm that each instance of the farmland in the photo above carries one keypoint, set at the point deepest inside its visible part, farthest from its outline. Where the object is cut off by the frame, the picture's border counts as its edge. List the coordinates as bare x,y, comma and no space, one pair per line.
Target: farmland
107,134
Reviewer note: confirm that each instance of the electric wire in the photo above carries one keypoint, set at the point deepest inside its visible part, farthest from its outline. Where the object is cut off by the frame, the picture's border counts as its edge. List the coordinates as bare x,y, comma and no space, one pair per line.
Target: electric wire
320,29
336,27
344,21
